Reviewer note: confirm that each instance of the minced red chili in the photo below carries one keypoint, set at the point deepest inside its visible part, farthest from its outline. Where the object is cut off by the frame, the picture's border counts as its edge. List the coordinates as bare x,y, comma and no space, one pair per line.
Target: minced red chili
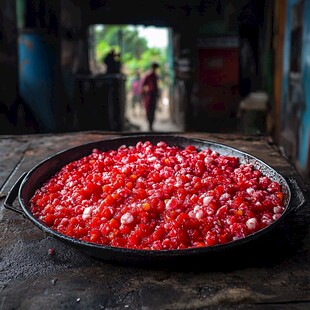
158,197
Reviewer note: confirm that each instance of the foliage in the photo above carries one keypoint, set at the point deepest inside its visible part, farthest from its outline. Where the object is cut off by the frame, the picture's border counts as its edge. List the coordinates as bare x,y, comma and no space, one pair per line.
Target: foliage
135,53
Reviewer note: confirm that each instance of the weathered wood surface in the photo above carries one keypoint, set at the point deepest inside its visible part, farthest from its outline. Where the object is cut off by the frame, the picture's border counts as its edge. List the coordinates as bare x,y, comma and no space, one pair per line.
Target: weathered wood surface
274,272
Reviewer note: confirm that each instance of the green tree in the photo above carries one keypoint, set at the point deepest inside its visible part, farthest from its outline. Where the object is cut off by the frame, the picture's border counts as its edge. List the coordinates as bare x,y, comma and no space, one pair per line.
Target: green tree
132,43
135,53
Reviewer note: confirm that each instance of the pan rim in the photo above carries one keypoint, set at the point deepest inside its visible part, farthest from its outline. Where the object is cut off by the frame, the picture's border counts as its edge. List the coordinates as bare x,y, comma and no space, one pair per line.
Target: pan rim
142,252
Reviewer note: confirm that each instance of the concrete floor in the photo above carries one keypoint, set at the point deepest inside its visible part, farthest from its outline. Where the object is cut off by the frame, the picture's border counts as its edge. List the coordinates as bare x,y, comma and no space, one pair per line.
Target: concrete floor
138,122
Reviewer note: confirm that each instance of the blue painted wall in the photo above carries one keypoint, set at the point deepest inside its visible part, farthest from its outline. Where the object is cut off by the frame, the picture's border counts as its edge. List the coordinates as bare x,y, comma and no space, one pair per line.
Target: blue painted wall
304,126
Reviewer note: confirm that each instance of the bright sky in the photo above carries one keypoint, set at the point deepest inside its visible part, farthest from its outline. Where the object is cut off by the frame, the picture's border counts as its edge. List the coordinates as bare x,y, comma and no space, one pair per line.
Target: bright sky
157,37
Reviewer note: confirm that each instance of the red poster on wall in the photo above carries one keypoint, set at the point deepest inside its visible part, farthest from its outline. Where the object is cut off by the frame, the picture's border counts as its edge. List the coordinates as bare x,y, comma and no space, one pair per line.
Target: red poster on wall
219,66
218,75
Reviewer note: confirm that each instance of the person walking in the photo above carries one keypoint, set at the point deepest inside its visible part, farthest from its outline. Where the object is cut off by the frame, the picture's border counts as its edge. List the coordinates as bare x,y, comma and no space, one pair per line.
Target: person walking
150,93
136,92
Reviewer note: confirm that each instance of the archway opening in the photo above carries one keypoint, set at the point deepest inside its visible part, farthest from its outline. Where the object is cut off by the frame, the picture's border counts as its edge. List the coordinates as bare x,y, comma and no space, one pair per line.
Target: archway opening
136,48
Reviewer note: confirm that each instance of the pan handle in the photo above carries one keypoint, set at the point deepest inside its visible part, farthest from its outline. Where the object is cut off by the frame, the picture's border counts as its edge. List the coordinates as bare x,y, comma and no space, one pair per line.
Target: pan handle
12,195
297,195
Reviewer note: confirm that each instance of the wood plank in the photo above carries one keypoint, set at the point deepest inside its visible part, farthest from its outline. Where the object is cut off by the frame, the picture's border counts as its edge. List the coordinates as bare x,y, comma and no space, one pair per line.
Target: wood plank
11,153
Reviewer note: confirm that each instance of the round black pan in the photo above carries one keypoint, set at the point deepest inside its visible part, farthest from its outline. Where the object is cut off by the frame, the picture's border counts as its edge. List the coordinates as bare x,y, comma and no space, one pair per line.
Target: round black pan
29,182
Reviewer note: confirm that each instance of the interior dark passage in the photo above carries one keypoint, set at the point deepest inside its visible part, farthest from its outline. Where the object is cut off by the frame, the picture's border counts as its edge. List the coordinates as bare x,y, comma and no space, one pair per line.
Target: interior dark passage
212,66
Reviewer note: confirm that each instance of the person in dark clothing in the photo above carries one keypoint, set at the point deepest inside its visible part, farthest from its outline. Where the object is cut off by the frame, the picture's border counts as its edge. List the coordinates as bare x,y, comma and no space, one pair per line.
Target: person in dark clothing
112,61
150,94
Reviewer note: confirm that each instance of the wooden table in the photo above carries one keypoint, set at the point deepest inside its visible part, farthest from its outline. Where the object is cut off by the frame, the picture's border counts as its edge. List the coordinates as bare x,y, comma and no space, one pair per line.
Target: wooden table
30,278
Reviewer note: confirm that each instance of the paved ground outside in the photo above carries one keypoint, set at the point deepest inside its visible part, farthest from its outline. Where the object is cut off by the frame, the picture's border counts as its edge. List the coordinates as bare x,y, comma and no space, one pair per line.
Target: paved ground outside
137,122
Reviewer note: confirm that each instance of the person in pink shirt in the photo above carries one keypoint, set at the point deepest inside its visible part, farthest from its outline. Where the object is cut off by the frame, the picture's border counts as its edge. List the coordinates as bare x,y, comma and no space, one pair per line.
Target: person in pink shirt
150,94
136,92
